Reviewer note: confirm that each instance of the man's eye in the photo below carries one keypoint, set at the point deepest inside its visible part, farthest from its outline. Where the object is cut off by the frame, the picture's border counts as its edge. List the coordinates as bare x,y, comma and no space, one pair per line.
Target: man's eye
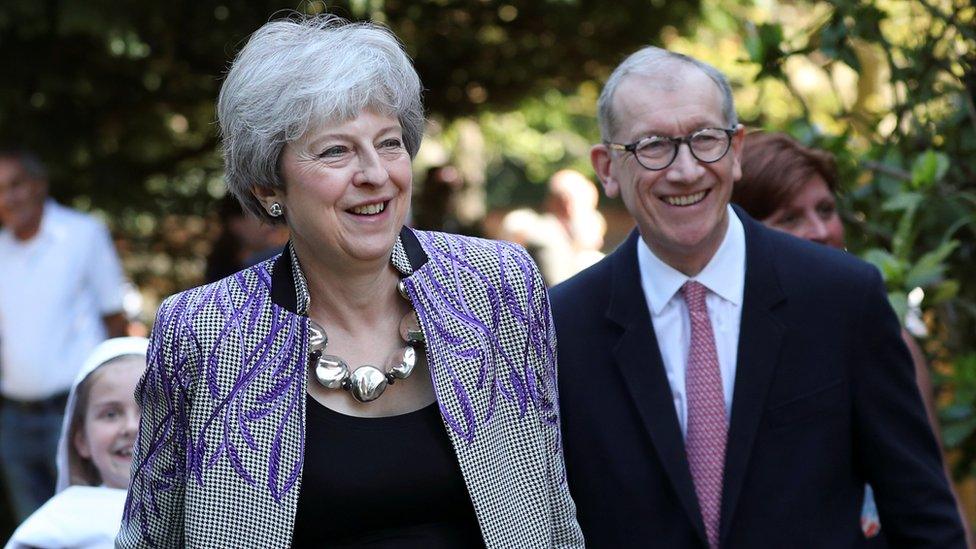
654,146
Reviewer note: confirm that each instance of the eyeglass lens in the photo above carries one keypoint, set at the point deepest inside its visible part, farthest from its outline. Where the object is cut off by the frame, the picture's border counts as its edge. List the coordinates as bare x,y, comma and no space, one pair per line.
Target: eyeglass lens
707,145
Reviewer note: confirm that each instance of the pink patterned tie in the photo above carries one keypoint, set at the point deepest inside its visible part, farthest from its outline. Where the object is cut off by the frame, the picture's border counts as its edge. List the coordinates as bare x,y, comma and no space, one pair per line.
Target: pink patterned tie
707,428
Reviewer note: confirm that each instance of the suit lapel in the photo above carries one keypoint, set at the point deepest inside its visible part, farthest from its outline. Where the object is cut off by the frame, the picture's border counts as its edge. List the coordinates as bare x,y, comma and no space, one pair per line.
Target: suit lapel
760,338
637,355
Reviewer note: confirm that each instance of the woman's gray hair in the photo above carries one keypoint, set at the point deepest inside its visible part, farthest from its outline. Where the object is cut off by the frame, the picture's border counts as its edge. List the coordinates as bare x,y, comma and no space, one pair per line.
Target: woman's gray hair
296,74
649,61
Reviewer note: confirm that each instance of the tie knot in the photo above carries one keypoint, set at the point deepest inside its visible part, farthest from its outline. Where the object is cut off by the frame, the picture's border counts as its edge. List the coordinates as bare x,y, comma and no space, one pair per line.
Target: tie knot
694,294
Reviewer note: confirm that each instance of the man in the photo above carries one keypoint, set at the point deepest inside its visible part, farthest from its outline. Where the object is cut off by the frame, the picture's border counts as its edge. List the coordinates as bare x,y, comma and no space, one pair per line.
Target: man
60,294
722,384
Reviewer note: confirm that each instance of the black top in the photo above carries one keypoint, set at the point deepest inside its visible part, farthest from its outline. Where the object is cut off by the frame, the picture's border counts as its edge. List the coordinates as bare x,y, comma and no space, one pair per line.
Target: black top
390,482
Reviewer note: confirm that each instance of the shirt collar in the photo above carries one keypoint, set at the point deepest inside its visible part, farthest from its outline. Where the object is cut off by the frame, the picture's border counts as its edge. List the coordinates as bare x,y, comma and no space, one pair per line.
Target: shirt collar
51,224
724,274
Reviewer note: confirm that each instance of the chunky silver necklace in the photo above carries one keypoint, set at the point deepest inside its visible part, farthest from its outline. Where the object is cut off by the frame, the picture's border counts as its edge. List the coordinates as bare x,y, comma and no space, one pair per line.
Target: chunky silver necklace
366,383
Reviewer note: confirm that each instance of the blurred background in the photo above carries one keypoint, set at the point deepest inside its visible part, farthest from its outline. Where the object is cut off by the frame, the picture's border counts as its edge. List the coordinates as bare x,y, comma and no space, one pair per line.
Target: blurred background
117,97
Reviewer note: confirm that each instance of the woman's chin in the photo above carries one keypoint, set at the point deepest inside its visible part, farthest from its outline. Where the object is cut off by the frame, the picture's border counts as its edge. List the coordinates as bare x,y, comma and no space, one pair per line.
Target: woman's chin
370,248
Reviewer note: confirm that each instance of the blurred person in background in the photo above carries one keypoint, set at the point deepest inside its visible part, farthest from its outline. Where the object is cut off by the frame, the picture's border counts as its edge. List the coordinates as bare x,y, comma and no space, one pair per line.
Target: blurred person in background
244,240
94,453
793,188
567,236
61,293
371,386
437,204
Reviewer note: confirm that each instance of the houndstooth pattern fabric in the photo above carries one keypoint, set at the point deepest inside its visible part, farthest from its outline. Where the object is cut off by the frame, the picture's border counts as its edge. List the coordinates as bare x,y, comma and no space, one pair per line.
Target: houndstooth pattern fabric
707,426
218,459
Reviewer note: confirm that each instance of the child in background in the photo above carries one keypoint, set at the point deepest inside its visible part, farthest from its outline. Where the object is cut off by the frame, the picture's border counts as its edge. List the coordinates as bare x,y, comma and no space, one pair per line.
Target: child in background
94,453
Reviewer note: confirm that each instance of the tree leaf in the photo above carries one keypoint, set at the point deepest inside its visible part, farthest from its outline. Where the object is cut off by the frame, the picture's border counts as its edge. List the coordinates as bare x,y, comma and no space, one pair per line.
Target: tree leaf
929,168
957,433
945,291
891,268
957,412
930,267
899,302
902,202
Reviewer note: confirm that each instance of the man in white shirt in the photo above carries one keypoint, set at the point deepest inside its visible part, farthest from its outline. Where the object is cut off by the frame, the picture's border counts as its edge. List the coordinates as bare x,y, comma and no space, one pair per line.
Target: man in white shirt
61,290
723,384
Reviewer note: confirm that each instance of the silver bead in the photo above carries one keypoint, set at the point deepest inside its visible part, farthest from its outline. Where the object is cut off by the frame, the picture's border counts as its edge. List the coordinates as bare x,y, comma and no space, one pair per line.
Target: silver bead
402,288
317,338
367,383
331,371
405,367
410,328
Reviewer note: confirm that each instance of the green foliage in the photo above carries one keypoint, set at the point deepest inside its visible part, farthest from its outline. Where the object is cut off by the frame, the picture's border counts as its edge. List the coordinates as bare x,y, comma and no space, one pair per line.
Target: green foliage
907,167
959,416
117,97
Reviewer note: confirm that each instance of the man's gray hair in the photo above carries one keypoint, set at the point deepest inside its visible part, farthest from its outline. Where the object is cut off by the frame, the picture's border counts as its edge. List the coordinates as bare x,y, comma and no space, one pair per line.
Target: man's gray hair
297,74
650,61
29,162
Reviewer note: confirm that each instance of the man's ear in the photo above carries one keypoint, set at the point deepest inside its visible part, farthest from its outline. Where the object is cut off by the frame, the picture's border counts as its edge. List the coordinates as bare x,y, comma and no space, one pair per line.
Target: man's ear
600,159
738,139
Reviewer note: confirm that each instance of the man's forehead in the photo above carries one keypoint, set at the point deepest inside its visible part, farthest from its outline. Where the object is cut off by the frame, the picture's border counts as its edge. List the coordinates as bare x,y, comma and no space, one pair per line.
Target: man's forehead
686,95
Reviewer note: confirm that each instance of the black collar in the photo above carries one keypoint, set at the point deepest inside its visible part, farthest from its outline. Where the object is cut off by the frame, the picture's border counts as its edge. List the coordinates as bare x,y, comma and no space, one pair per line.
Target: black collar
283,291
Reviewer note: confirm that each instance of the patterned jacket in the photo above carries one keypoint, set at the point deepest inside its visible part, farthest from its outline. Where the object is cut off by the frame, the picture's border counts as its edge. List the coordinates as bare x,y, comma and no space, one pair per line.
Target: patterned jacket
218,459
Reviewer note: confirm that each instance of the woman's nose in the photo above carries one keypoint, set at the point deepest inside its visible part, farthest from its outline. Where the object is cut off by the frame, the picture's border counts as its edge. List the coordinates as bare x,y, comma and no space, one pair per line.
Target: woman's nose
132,422
816,230
372,171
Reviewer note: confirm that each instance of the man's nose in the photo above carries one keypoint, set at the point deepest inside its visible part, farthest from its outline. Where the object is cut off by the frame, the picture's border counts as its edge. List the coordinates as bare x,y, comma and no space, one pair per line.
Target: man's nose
685,168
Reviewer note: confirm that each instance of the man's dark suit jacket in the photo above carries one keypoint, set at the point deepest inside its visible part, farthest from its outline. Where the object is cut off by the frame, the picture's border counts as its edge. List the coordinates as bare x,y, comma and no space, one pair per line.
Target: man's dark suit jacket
824,401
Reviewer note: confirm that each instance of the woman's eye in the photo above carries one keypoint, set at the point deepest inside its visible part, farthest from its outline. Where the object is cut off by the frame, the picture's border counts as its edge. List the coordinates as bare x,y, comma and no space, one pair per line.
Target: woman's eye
391,143
334,152
826,210
788,219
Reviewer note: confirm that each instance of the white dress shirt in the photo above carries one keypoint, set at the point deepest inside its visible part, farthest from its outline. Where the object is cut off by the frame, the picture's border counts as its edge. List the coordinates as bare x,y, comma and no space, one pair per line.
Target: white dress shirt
724,276
54,290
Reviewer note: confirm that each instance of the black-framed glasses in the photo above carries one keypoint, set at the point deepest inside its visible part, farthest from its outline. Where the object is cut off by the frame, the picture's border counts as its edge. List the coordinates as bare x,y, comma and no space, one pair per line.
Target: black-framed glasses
657,152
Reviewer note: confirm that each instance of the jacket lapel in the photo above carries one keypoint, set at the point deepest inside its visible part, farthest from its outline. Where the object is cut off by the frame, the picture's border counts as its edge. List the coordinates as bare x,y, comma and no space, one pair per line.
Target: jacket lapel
760,338
639,359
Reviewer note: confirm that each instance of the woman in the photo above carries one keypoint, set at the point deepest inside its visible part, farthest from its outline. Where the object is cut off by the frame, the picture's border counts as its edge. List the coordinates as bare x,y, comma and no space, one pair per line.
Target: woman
263,423
792,188
94,453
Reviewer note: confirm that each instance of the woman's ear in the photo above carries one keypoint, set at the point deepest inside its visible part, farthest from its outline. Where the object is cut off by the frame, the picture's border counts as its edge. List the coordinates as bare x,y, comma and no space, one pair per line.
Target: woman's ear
80,443
267,196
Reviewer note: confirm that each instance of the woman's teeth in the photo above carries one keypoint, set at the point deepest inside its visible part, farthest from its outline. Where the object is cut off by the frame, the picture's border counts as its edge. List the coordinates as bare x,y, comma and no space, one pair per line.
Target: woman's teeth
369,209
686,200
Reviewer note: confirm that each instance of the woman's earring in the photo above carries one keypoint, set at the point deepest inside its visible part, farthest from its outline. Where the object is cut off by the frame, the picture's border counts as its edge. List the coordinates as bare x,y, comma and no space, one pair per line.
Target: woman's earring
275,210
